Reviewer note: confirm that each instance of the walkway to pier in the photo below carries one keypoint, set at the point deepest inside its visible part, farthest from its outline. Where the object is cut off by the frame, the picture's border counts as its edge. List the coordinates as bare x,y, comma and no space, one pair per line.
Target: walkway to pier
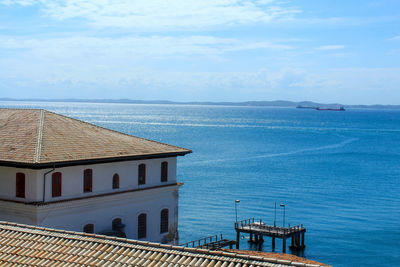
258,229
211,242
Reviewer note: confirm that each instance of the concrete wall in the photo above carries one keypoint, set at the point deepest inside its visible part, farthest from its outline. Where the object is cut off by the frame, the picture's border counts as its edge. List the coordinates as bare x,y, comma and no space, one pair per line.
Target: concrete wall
73,215
72,179
8,184
99,209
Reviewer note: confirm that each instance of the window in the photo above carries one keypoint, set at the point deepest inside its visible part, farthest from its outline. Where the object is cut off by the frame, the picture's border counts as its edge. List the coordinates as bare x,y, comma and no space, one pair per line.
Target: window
88,228
164,221
142,225
117,224
142,174
115,181
20,185
164,171
56,181
87,180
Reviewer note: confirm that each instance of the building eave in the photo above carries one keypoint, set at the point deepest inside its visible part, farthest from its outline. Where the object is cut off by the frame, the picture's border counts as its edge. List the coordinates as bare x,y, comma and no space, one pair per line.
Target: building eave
59,164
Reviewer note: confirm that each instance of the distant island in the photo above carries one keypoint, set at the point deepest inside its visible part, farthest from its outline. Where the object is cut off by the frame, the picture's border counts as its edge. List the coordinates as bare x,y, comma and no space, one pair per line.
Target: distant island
276,103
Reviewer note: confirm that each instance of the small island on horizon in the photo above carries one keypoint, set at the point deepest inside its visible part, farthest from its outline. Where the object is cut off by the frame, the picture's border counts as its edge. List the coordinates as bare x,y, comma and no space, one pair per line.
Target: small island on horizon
274,103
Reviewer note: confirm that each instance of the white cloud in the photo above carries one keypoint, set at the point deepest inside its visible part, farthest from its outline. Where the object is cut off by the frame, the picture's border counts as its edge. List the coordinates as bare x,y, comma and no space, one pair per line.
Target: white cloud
330,47
164,14
18,2
80,46
395,38
114,62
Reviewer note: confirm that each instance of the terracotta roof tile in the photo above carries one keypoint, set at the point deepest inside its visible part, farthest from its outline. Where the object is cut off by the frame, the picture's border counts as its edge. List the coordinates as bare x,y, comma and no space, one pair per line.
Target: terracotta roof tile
34,136
35,246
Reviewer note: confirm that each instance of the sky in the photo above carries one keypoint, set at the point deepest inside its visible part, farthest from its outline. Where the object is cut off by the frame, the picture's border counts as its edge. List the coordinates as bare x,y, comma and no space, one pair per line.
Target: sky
202,50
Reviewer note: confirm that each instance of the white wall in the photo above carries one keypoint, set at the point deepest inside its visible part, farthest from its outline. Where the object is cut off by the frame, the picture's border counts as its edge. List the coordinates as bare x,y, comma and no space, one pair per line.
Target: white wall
73,215
72,179
8,184
100,210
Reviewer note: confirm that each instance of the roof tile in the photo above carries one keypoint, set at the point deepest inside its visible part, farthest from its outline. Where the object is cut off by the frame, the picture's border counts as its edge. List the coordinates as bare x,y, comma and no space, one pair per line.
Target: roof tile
29,245
34,136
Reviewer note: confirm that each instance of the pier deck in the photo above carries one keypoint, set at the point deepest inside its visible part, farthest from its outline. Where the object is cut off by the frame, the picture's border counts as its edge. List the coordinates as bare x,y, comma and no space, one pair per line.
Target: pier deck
211,242
258,229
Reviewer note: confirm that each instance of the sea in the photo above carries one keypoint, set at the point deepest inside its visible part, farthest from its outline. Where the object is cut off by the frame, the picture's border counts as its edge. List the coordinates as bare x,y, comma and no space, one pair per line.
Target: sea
337,173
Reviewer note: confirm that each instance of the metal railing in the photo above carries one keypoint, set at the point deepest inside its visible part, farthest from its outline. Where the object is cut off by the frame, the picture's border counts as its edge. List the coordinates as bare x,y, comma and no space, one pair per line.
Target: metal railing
203,242
251,223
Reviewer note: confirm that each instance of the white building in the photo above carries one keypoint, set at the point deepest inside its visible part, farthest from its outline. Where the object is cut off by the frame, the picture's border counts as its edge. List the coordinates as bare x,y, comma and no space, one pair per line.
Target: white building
63,173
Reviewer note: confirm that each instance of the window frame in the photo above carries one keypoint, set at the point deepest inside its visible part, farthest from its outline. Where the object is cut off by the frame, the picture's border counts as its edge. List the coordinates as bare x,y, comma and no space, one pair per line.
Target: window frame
164,171
56,184
115,223
164,221
88,228
115,181
88,180
20,185
142,226
142,174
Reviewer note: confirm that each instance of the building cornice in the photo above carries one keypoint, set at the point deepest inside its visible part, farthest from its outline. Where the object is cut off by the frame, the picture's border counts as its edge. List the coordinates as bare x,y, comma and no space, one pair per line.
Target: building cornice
60,164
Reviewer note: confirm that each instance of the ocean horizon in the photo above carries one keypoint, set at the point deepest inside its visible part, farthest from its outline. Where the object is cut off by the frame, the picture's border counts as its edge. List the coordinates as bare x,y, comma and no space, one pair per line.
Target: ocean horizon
336,172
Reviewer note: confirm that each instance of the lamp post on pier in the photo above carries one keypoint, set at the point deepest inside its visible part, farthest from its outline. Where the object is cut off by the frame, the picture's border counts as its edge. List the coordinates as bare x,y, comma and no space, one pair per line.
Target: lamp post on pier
275,215
283,205
236,202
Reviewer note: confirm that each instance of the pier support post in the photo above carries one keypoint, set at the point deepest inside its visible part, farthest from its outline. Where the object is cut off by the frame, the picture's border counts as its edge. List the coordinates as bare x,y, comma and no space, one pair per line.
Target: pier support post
284,245
302,239
237,239
298,240
256,238
273,243
251,237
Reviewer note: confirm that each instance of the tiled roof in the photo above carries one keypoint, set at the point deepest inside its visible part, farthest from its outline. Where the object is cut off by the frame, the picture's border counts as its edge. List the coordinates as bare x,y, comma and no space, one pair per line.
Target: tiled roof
34,136
37,246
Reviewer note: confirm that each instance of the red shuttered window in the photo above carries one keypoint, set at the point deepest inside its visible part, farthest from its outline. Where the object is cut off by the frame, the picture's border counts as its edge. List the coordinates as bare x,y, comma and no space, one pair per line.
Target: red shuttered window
142,174
164,171
56,184
115,181
87,180
20,185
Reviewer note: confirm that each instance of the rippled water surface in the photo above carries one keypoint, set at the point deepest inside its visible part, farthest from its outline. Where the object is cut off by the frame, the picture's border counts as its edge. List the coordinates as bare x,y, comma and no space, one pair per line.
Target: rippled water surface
337,172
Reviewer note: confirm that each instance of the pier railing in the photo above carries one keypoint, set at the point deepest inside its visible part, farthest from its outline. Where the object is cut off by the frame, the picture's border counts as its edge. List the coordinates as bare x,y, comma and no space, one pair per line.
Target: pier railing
209,242
251,223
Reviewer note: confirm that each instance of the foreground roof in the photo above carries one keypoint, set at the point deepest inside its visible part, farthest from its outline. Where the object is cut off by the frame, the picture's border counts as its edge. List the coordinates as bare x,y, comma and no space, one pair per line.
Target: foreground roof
40,138
36,246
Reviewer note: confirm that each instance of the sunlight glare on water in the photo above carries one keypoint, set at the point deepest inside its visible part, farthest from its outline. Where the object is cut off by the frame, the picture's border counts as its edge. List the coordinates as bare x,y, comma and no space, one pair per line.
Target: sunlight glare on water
337,172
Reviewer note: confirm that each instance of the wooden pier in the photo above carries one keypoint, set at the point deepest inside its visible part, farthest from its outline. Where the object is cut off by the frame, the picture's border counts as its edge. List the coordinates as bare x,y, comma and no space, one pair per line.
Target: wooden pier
258,229
211,242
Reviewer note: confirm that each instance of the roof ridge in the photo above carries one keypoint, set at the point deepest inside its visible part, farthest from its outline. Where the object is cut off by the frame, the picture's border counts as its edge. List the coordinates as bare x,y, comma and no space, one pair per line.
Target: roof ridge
129,242
115,131
38,148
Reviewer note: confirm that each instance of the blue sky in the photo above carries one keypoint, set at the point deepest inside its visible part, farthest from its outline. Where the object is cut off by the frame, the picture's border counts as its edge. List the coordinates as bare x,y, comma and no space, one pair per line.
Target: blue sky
208,50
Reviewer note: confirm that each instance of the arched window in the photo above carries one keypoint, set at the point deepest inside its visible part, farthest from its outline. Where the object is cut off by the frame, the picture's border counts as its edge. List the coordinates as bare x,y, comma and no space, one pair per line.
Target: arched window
142,174
142,218
116,224
164,221
88,228
56,184
87,180
164,171
20,185
115,181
